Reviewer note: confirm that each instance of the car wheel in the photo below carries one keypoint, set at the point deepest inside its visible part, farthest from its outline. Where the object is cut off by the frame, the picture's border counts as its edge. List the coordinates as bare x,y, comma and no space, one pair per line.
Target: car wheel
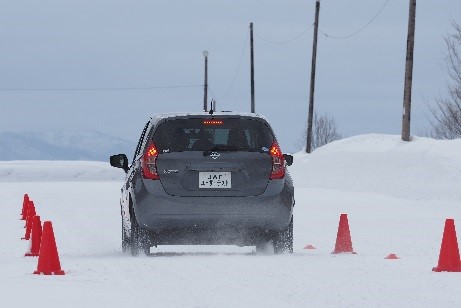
139,240
283,240
264,248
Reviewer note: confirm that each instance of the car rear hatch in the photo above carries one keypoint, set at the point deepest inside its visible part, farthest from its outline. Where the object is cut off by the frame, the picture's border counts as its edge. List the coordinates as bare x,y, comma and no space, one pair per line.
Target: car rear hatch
214,156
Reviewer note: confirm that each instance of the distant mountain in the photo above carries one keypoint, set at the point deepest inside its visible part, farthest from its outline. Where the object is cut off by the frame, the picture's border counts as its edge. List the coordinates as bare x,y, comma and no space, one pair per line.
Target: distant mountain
62,145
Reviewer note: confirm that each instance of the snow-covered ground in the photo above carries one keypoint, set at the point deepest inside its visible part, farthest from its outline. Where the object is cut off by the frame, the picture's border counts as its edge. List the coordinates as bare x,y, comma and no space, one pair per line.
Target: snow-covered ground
58,171
397,196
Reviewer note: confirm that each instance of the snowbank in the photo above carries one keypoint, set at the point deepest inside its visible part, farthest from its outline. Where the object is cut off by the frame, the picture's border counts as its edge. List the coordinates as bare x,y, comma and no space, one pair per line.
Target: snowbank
424,168
58,171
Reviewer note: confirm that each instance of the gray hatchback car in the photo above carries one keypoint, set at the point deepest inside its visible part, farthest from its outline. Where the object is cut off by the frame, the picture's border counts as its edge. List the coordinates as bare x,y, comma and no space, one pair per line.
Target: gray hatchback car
201,179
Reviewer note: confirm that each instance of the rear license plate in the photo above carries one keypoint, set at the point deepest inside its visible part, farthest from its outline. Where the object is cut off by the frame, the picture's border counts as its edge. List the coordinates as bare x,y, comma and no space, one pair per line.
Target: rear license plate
214,180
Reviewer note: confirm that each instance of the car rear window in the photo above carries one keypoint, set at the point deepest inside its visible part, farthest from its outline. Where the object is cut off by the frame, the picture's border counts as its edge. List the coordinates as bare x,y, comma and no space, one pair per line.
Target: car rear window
201,134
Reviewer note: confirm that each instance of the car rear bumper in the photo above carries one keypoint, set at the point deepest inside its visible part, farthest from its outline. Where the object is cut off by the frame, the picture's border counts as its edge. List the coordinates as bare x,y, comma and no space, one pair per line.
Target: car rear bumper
157,211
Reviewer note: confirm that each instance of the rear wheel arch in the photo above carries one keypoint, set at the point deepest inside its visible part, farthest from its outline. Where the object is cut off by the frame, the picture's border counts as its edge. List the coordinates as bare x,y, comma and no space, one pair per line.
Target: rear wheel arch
131,210
125,233
130,215
130,205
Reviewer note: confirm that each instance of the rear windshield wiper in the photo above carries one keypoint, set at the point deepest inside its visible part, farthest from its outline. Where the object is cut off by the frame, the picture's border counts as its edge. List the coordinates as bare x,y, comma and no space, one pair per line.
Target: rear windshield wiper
225,148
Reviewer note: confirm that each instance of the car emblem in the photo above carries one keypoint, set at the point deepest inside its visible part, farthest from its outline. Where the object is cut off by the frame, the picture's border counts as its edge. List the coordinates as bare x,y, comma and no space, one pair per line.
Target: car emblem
215,155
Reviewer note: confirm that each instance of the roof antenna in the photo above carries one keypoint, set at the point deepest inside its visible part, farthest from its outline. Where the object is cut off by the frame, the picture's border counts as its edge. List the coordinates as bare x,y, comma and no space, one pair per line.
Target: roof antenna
212,107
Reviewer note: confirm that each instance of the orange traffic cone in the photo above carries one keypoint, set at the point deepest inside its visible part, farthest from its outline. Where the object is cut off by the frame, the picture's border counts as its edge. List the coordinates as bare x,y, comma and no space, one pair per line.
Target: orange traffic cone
309,247
30,211
36,238
48,258
449,252
343,238
25,207
28,228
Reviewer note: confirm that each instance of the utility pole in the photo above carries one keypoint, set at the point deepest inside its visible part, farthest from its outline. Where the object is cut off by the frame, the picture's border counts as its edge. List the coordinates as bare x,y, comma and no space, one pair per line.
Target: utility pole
409,73
252,70
205,85
311,95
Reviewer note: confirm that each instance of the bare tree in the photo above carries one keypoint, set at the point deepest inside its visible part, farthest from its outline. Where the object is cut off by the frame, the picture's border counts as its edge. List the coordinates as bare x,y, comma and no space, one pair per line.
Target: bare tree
446,112
324,130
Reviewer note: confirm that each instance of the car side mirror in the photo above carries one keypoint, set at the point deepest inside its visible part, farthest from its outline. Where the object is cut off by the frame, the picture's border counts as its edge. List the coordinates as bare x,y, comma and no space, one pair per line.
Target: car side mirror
119,161
288,159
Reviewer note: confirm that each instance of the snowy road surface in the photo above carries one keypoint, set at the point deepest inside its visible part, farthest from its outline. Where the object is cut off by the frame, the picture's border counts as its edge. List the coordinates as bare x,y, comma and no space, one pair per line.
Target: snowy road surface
382,220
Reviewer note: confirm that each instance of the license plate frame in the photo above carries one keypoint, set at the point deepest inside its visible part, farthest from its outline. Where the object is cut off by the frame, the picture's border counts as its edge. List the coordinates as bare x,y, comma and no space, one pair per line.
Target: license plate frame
214,180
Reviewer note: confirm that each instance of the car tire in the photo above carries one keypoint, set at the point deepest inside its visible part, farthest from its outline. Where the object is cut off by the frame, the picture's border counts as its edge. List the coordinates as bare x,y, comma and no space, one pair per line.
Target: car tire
139,240
264,248
283,240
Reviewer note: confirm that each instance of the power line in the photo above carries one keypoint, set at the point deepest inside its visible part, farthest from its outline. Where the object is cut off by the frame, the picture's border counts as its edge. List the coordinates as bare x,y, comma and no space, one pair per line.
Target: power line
361,29
212,93
214,98
238,67
102,89
285,41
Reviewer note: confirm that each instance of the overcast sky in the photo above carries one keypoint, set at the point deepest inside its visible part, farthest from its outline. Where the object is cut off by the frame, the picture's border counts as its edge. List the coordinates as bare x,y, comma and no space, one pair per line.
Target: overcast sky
130,44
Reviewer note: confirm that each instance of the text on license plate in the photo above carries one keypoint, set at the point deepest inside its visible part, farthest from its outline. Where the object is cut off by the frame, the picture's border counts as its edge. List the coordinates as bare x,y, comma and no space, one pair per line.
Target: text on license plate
214,180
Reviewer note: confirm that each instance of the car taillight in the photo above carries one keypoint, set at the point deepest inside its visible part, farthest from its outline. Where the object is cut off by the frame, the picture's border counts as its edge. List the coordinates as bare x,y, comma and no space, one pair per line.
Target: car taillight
149,163
278,162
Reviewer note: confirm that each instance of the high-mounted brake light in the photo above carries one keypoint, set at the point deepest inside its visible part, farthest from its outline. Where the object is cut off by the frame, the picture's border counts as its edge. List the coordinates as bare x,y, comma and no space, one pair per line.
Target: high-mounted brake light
149,163
278,162
213,122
